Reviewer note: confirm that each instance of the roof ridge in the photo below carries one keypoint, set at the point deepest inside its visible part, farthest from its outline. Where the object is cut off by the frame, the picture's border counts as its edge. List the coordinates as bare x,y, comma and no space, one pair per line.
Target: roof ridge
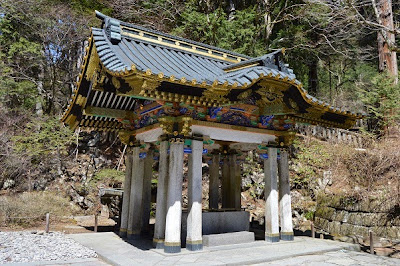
138,27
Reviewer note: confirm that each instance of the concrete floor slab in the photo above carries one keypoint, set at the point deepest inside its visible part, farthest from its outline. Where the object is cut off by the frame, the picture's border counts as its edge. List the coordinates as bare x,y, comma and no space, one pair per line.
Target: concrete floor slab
341,257
302,251
114,250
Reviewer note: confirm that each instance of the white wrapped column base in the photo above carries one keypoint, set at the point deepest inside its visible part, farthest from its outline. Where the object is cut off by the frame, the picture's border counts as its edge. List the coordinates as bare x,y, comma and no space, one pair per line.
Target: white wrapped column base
271,195
172,242
194,240
136,197
284,198
127,193
161,204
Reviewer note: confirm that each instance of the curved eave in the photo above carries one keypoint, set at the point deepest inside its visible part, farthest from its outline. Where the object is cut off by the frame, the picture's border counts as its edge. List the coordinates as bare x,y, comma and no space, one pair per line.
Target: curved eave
66,118
79,99
304,119
80,96
320,105
321,113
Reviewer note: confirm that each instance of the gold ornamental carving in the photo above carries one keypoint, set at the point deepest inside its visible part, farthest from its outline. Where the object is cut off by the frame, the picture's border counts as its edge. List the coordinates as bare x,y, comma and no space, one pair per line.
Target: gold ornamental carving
135,83
349,123
140,85
215,93
313,113
176,126
116,83
293,104
167,125
186,123
93,65
127,137
102,75
286,139
244,95
150,85
270,92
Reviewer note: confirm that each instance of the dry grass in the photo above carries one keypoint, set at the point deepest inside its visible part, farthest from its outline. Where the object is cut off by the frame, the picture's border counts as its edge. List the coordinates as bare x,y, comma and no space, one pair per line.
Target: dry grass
373,173
29,208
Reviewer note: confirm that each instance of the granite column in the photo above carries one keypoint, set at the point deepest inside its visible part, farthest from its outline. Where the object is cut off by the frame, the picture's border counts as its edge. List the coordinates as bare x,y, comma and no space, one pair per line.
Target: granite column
127,194
235,183
226,184
284,197
148,176
161,204
174,199
214,183
271,196
194,220
136,206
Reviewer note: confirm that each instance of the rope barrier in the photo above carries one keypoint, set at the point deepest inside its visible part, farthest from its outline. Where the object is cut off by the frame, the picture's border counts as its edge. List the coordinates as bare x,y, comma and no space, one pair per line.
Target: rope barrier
46,217
4,219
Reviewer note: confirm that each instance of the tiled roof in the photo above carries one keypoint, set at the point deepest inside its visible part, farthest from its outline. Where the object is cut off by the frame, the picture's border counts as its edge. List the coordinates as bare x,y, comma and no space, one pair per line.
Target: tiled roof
158,57
126,50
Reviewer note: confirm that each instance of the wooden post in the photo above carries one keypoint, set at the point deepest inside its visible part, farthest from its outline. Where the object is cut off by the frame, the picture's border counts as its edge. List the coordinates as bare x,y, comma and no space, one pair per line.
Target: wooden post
47,222
312,230
95,222
371,242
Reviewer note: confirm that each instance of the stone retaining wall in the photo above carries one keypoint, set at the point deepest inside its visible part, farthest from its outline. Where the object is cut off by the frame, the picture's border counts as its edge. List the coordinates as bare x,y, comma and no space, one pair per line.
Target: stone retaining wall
339,217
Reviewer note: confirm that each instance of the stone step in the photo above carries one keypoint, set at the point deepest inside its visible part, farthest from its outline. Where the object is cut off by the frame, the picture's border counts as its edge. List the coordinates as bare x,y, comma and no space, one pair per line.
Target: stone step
228,238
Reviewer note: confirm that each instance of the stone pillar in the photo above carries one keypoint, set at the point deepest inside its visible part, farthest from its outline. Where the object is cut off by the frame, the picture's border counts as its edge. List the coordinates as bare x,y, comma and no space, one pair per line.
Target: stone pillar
134,165
194,220
127,194
214,183
161,204
174,199
148,175
136,206
271,196
284,197
225,183
324,132
235,183
329,134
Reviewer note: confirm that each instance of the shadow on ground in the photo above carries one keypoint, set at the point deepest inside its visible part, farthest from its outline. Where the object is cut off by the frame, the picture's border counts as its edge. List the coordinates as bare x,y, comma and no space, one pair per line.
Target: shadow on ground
259,232
144,243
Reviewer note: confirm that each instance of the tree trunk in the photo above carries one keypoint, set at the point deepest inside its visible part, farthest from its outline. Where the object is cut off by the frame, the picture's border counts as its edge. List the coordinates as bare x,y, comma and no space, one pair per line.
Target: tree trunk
386,40
231,11
269,26
313,77
39,106
330,81
387,55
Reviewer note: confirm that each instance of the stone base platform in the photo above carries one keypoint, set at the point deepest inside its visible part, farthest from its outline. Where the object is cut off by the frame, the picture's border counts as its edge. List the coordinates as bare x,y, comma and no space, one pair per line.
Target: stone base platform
228,239
218,222
114,250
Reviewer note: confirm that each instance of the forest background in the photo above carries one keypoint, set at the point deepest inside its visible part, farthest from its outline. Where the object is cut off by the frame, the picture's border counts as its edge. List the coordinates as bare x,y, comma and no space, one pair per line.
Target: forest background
344,52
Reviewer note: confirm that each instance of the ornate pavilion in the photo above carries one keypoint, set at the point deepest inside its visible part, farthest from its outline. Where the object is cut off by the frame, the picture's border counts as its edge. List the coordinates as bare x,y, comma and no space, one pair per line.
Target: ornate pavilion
167,96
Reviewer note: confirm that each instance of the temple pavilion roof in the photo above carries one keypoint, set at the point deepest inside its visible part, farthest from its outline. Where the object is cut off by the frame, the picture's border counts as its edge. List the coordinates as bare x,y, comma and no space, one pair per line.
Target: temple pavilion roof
129,72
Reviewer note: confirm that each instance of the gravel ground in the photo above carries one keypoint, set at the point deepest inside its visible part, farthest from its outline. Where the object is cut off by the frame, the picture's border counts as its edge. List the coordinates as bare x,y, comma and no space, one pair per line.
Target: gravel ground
31,246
